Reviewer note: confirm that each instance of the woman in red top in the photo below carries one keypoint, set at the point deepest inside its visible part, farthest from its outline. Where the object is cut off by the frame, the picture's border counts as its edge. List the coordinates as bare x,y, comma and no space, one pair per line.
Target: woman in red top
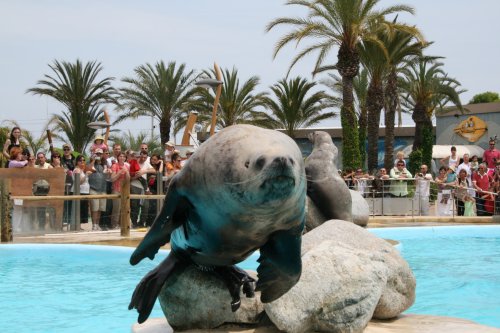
119,172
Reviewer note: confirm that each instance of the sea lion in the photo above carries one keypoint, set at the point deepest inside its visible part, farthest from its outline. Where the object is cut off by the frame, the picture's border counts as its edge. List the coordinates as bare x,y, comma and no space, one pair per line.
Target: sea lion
244,189
325,187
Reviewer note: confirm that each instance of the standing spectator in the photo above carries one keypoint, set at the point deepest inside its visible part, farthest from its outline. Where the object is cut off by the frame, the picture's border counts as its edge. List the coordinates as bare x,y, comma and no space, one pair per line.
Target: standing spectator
99,143
400,157
360,181
41,161
55,160
481,182
17,160
461,193
451,160
443,203
105,219
68,163
14,140
117,150
41,212
189,153
120,171
138,185
491,156
97,181
81,171
496,188
423,189
169,150
465,165
157,164
378,184
474,163
399,184
144,148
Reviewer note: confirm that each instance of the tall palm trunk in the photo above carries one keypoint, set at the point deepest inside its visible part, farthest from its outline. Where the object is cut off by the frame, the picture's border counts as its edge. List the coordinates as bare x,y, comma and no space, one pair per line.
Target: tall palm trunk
421,120
390,119
165,125
375,103
348,67
363,123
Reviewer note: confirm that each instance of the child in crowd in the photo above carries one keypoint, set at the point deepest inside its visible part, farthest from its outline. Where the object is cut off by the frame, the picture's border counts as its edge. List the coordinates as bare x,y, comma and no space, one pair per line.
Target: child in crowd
400,156
474,163
100,143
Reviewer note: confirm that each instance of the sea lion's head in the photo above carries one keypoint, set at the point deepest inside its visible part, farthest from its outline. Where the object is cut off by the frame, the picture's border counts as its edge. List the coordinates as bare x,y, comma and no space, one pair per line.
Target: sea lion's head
251,165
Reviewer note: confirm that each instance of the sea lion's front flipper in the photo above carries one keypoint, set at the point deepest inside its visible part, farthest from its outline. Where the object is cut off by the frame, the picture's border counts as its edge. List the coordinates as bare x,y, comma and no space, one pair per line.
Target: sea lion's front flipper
234,277
147,290
172,215
280,264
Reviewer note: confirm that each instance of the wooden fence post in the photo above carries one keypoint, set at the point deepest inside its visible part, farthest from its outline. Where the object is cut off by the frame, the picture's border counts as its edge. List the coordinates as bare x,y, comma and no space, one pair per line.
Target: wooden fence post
5,212
125,208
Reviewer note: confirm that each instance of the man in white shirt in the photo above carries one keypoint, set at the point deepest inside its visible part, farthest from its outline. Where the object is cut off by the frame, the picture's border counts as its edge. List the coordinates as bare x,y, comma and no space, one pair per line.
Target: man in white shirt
422,191
138,185
41,161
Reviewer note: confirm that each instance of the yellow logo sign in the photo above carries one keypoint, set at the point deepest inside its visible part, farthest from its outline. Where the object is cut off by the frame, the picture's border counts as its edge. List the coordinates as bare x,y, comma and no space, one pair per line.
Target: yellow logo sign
471,128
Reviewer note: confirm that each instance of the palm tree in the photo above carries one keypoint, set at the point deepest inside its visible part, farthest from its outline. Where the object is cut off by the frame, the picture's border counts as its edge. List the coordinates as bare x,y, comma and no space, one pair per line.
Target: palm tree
402,48
158,91
77,87
238,104
360,87
342,23
426,89
292,108
129,141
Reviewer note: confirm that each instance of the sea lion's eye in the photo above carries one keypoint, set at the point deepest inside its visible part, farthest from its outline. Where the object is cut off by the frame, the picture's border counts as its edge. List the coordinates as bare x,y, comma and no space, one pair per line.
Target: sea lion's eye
247,163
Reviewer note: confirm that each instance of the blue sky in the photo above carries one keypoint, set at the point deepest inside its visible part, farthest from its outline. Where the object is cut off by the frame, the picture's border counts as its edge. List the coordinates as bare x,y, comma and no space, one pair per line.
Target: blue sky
123,34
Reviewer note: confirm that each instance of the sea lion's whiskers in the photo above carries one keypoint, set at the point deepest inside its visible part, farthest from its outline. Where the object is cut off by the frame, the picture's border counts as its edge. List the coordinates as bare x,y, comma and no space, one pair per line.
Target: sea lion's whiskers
257,177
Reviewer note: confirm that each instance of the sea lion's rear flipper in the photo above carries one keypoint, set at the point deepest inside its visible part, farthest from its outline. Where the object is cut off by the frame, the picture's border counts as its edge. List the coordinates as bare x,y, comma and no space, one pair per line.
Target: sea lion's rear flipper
147,290
280,264
172,215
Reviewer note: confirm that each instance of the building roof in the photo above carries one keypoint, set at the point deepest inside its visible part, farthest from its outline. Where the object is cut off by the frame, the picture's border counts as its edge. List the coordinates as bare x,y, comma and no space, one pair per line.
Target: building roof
493,107
404,131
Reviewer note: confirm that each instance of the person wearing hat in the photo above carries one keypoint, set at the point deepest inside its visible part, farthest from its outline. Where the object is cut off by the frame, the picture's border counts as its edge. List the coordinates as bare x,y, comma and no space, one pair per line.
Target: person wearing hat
99,142
169,150
189,152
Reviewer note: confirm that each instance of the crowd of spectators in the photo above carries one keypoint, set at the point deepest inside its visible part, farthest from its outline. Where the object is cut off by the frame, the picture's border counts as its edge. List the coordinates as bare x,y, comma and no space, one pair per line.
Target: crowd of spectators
102,173
470,184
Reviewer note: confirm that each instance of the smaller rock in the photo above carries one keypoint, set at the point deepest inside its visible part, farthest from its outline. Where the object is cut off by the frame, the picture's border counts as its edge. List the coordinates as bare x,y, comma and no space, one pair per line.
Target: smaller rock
194,299
360,209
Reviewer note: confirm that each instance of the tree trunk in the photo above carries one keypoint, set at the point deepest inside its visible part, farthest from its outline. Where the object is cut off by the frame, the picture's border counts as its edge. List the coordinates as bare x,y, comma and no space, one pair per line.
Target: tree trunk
421,120
165,125
390,119
363,123
348,67
375,103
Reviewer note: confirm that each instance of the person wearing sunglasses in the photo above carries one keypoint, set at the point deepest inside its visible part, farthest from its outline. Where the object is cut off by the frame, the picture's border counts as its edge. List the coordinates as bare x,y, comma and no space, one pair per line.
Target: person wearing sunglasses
398,174
491,156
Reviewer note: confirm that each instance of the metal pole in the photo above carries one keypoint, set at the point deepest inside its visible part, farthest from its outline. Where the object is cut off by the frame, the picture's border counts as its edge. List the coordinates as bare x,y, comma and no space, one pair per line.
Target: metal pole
159,190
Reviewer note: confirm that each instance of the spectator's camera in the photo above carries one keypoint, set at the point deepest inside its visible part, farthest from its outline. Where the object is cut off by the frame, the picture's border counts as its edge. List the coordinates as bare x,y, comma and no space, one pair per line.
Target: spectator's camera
420,174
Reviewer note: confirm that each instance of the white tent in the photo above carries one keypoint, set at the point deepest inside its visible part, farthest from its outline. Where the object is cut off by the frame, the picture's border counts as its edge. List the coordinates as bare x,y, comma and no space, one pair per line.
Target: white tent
442,151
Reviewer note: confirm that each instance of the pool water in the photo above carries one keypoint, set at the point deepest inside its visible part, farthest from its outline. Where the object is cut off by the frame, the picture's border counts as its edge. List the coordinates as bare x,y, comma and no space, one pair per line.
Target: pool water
69,288
457,270
87,288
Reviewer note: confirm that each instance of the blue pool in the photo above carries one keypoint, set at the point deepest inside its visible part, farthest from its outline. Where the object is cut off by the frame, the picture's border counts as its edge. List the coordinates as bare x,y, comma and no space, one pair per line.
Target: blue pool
86,288
457,270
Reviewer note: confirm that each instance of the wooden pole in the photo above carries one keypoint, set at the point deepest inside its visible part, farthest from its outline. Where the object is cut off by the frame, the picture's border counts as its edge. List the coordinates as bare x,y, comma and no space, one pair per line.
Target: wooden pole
106,136
5,212
125,208
218,76
189,127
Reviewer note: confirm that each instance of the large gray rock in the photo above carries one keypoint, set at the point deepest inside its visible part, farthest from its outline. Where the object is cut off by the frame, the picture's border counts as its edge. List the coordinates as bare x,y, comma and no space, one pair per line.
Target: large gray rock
399,293
336,293
360,209
195,299
348,276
